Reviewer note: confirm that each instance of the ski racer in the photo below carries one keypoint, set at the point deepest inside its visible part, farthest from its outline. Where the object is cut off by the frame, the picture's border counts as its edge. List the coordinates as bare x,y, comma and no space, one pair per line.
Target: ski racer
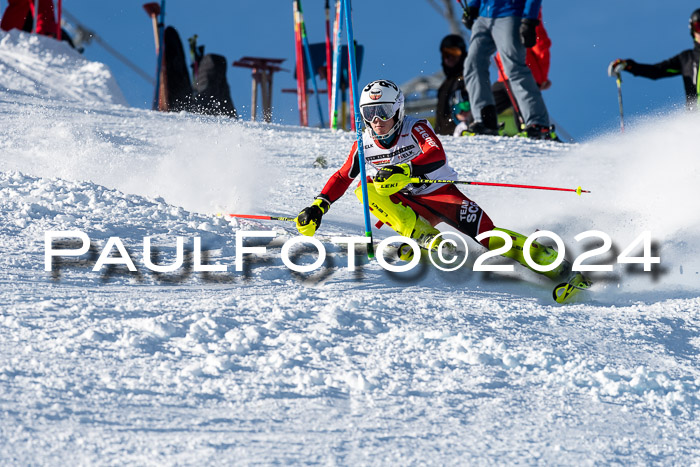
400,147
685,64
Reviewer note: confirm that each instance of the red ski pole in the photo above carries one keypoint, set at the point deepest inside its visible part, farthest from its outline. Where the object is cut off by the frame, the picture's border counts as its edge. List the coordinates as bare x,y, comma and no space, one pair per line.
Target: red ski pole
265,218
509,90
577,190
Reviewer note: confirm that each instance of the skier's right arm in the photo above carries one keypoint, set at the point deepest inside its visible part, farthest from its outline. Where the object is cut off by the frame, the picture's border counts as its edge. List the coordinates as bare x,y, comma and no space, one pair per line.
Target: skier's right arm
309,219
670,67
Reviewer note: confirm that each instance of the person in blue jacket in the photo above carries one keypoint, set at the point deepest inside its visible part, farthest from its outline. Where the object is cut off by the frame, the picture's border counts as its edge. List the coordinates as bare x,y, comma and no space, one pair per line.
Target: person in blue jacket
506,26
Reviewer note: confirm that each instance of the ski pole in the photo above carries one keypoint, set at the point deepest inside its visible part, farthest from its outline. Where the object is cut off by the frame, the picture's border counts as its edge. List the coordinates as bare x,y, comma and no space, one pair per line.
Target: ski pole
265,218
619,99
509,91
615,69
577,190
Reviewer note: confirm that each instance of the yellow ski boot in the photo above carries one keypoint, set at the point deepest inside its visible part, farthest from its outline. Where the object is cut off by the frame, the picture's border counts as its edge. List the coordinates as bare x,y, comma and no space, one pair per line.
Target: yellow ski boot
540,254
402,219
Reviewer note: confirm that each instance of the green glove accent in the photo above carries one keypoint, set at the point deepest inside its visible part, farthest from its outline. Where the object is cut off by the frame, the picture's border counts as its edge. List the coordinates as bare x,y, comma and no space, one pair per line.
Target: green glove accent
309,219
392,178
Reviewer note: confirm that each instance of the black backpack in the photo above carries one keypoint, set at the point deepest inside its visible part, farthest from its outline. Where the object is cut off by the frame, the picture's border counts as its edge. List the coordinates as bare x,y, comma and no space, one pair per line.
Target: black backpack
212,95
175,80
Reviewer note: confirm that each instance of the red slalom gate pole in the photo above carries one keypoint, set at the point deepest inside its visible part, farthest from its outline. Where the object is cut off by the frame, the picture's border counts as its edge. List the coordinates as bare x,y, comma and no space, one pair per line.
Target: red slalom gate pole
301,78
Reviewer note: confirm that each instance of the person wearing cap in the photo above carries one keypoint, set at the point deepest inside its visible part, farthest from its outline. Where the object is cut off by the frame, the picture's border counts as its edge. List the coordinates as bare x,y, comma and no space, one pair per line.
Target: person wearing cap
452,91
685,64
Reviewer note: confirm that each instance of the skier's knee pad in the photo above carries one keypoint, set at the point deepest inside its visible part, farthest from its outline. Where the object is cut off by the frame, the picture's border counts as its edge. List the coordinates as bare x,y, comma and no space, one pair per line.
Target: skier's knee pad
540,254
399,217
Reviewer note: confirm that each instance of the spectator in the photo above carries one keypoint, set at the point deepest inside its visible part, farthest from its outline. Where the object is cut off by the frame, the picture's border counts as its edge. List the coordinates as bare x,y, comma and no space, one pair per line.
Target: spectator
509,27
537,60
453,52
19,14
684,64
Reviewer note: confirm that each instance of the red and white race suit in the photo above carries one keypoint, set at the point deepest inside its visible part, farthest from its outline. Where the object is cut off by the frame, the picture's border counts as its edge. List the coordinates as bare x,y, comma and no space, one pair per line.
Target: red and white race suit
418,146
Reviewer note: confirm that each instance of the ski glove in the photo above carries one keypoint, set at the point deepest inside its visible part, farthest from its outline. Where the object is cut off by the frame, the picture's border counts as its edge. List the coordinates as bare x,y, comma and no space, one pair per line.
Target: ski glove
470,15
528,32
309,219
616,66
392,178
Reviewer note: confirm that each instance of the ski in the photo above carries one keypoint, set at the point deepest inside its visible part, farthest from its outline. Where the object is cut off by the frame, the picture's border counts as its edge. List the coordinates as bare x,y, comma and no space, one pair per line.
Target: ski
566,290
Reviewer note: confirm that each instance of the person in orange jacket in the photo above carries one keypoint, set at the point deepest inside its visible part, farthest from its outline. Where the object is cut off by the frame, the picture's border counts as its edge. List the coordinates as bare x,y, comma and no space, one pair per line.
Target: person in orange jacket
537,59
19,14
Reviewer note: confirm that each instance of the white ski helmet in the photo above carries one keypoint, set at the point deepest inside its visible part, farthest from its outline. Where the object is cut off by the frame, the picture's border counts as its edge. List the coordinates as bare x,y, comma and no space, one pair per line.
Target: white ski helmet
382,98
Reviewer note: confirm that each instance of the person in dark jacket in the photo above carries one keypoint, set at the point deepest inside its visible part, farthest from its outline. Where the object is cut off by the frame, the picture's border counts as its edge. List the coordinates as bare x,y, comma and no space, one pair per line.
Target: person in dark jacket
453,52
685,64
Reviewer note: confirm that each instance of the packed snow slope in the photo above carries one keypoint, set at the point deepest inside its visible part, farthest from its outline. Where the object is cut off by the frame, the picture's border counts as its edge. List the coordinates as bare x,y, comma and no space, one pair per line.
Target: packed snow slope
270,366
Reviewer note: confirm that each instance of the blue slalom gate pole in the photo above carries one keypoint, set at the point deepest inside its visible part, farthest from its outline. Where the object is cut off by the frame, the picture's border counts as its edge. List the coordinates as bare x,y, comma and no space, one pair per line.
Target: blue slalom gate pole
358,123
309,65
159,65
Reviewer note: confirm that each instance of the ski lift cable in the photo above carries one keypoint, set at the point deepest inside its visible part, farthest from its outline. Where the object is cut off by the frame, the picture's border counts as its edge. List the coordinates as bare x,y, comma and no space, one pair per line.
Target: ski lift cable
122,58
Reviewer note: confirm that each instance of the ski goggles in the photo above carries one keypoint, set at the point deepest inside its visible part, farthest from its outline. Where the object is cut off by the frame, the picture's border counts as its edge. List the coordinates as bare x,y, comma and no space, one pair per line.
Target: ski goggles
382,111
453,51
695,26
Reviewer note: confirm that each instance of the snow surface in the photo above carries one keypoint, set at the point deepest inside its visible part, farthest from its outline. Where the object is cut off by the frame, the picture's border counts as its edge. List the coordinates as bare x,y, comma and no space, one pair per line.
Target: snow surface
268,366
